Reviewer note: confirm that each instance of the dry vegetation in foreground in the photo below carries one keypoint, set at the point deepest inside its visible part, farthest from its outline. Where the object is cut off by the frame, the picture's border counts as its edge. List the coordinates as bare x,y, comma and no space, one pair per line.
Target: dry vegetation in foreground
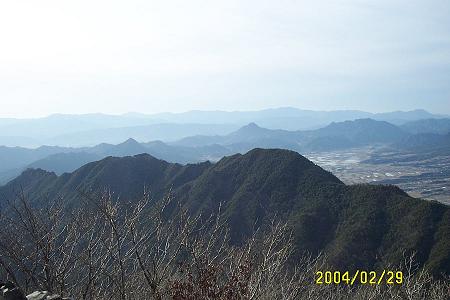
107,249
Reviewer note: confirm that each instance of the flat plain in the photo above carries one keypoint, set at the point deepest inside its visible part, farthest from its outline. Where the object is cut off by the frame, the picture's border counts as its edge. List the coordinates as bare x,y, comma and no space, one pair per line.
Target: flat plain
423,176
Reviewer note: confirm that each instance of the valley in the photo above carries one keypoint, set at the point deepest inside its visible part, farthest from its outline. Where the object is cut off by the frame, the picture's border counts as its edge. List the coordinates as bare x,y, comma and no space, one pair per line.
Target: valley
424,176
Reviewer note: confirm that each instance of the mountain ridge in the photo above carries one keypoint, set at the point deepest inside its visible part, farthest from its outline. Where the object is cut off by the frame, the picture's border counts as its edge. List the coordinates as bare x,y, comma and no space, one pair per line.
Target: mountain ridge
325,214
91,129
335,136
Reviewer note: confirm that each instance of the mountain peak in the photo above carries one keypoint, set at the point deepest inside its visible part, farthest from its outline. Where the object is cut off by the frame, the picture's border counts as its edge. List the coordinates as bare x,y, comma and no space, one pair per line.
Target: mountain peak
31,176
251,125
259,185
130,141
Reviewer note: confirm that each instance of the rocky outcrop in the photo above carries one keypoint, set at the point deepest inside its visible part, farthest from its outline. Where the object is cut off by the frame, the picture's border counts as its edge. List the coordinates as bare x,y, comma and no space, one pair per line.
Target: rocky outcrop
8,291
44,295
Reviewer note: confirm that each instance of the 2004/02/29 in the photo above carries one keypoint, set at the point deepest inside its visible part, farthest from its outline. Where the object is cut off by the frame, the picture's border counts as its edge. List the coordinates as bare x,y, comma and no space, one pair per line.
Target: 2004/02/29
359,277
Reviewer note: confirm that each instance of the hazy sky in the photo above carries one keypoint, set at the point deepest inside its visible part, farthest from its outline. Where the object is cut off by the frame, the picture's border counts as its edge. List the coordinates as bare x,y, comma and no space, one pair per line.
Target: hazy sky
152,56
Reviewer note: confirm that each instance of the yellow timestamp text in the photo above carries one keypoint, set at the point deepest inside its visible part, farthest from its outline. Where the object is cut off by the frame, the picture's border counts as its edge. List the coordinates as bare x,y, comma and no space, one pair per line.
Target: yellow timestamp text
359,277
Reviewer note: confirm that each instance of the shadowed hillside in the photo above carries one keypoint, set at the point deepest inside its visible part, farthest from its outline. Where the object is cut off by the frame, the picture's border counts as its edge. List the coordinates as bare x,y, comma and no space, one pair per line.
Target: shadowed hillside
358,227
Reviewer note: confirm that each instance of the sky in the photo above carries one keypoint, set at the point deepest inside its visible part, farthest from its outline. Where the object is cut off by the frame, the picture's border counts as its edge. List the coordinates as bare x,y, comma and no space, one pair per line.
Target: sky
176,55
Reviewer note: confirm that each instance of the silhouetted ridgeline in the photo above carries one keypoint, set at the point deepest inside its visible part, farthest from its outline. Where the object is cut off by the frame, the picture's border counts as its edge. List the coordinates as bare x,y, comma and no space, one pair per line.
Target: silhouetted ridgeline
358,227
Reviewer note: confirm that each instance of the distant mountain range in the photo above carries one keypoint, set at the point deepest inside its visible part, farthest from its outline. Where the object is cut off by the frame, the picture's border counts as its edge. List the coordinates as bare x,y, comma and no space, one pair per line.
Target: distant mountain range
82,138
289,118
335,136
437,126
357,227
92,129
61,160
426,142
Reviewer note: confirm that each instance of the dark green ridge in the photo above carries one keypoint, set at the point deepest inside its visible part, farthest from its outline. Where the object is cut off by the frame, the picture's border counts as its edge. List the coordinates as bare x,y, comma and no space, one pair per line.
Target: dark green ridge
358,226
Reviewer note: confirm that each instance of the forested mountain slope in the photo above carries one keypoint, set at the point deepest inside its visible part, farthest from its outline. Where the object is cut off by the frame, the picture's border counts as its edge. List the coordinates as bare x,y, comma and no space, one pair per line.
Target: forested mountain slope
358,227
